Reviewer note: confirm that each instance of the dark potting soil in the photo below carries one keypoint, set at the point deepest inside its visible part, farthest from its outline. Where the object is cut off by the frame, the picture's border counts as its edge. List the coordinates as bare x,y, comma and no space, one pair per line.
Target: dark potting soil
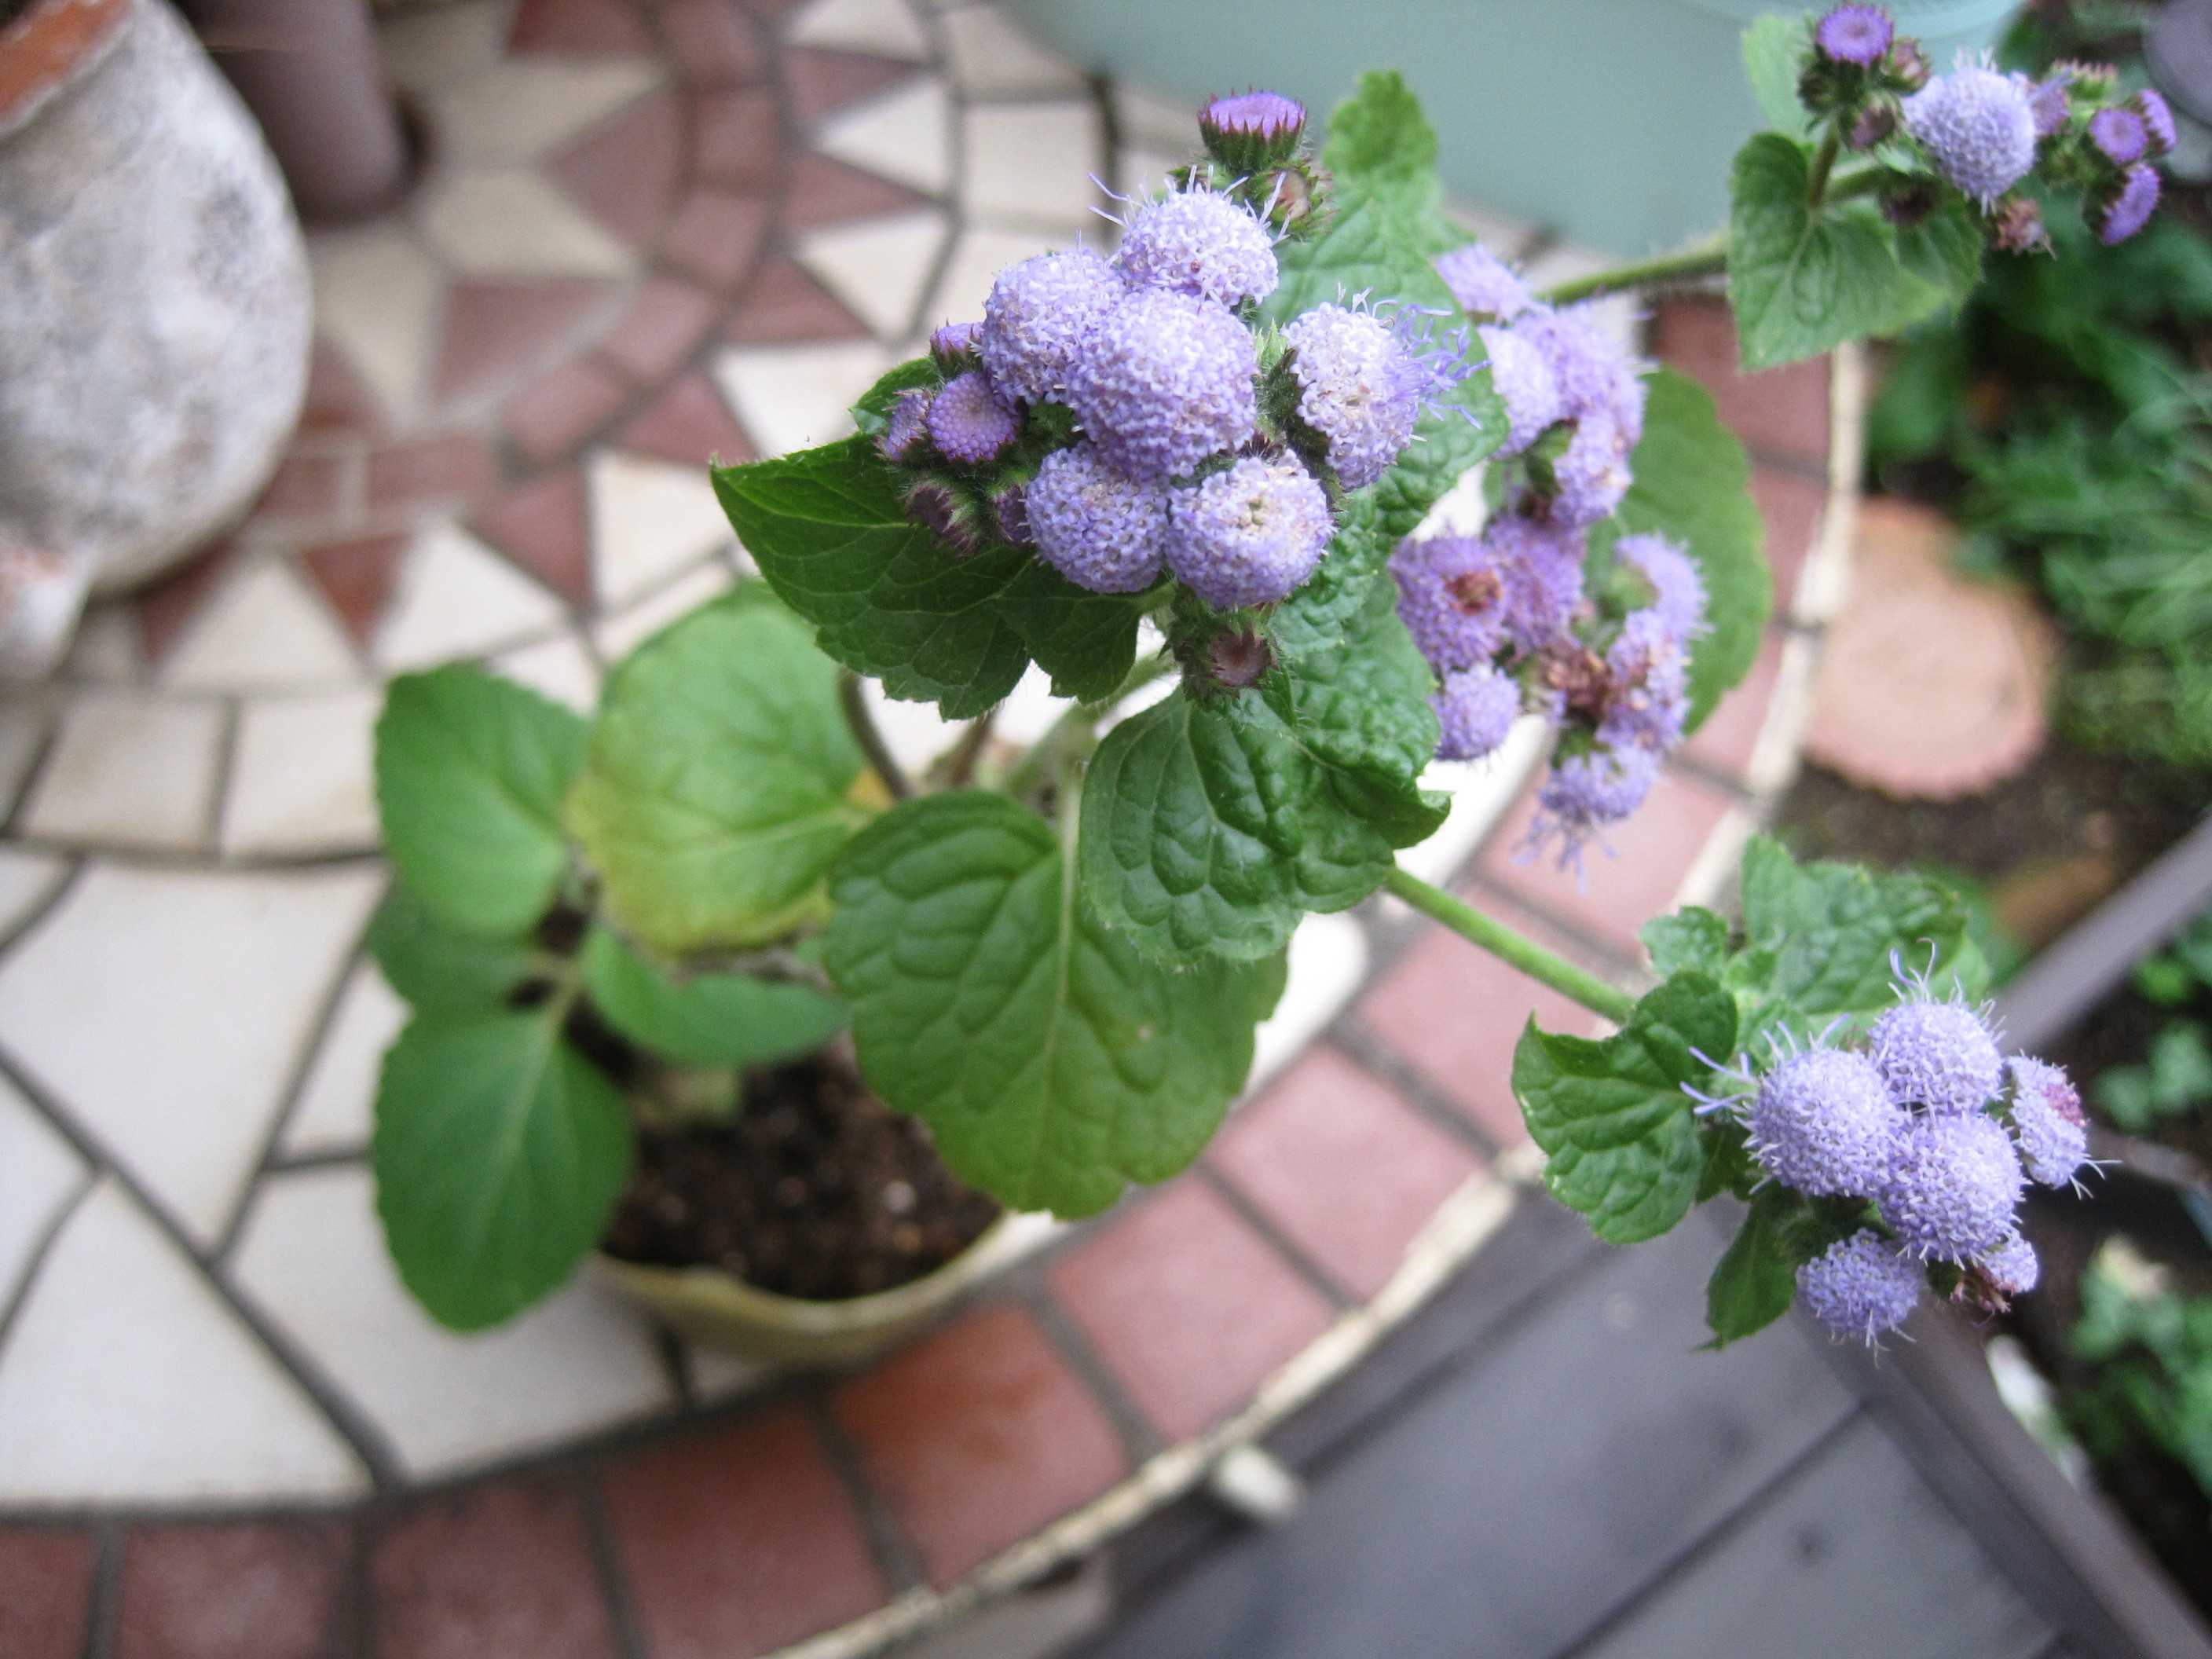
816,1189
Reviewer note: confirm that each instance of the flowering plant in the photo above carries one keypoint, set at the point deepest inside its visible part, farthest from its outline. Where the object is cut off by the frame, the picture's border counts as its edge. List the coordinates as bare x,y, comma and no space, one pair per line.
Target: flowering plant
1210,459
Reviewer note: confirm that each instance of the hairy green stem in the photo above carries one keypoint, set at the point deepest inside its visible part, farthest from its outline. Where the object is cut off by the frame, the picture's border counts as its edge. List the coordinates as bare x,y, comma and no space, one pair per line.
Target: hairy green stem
852,696
1691,266
1514,949
1824,163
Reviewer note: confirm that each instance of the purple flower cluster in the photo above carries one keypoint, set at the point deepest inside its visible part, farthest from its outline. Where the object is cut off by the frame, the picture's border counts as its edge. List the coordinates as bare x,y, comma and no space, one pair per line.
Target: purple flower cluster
1978,127
1924,1119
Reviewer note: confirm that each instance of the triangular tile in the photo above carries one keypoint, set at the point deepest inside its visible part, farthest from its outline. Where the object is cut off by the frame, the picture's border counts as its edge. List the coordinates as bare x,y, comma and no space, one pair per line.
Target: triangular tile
737,138
338,399
825,192
523,108
784,305
356,577
508,221
262,630
588,28
712,43
689,424
624,171
498,330
540,525
879,267
823,82
376,298
164,608
794,397
650,520
906,136
457,599
888,27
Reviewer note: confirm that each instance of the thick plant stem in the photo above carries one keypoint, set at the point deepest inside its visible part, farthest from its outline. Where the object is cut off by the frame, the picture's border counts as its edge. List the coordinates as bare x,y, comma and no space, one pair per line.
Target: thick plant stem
852,697
1514,949
1692,265
1824,163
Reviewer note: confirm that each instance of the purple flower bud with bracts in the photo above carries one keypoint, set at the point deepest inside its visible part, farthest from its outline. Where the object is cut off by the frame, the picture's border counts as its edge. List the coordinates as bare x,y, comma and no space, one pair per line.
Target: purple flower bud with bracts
907,431
1934,1053
967,421
1165,382
1872,126
1952,1187
2047,100
2126,208
1476,710
1584,794
2119,135
1821,1123
1908,204
953,345
1250,535
1101,529
1247,132
1199,242
945,513
1860,1288
1010,510
1647,686
2017,226
1040,314
1484,285
1907,65
1677,589
2048,1123
1994,1278
1977,126
2157,119
1524,383
1239,658
1365,381
1854,34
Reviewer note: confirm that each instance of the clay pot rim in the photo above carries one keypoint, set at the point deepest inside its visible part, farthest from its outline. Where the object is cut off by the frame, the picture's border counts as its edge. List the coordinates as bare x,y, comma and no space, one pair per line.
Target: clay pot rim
49,46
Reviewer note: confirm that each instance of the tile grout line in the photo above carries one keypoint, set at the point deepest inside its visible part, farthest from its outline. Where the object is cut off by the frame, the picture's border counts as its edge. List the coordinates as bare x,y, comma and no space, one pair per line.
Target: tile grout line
103,1616
1138,1439
1337,1298
894,1555
606,1565
40,1250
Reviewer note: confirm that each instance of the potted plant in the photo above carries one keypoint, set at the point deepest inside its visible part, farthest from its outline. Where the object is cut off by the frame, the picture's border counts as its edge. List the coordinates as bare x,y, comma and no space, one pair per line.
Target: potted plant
1226,440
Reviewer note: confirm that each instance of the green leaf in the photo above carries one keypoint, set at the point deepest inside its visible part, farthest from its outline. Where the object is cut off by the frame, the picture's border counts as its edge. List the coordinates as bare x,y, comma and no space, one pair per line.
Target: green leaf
1692,938
1944,251
1756,1279
872,414
720,781
1622,1144
1832,927
438,969
1051,1062
469,773
499,1154
1445,445
1693,485
707,1019
1774,52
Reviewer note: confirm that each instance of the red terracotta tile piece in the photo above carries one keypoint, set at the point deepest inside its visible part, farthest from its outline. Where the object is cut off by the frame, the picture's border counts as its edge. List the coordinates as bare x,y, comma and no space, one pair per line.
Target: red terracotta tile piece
584,28
492,1570
450,467
164,606
824,191
736,138
713,42
356,577
337,399
785,306
1725,743
625,170
1615,895
822,81
714,235
554,412
738,1542
666,320
689,424
1289,1150
496,330
234,1590
1780,412
46,1591
1454,1012
1791,505
304,487
977,1436
543,525
1187,1306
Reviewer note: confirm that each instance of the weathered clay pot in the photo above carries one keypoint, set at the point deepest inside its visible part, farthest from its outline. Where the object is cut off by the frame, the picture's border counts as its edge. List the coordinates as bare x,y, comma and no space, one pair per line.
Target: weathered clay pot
155,305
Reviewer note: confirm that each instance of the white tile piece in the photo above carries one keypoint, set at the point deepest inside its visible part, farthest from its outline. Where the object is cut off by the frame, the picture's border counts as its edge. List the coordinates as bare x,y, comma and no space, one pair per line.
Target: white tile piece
1032,163
168,1011
882,28
336,1102
560,668
300,777
1480,791
39,1173
993,56
377,298
507,222
106,646
1328,958
978,259
262,630
878,267
650,520
429,45
905,135
456,598
127,1379
26,880
519,108
312,1254
794,397
914,733
617,635
128,770
23,725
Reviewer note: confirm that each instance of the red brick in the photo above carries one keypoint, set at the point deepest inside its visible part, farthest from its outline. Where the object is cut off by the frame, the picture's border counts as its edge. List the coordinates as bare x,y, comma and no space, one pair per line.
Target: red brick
304,487
824,192
1289,1150
625,170
1614,894
737,140
977,1436
1791,506
665,321
1780,412
46,1591
1453,1012
1725,743
714,235
491,1570
496,331
784,306
556,411
1187,1306
357,577
689,424
244,1590
165,605
713,41
451,467
541,526
586,28
823,82
337,399
738,1542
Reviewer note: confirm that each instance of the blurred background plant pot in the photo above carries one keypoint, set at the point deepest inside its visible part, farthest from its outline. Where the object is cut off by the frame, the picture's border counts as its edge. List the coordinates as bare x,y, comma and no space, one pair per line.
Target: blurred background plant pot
1611,121
154,296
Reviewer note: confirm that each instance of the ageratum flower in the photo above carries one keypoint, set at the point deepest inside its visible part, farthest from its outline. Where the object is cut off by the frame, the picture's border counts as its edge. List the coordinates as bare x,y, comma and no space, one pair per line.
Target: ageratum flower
1858,35
953,343
967,421
1978,127
1101,529
1476,708
2047,99
2011,1269
1524,385
1591,476
1594,375
1647,686
1953,1187
2119,135
1860,1288
1040,314
1255,115
1584,793
2157,117
2127,207
2047,1122
1364,382
1484,285
1937,1054
908,428
1165,381
1677,589
1452,597
1201,242
1821,1124
1250,535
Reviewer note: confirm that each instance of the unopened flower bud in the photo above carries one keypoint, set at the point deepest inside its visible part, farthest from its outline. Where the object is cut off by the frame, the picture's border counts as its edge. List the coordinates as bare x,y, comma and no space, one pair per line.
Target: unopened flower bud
1009,508
1874,123
945,513
1854,34
953,345
1907,63
2157,119
1907,205
1239,658
908,433
1249,131
2017,227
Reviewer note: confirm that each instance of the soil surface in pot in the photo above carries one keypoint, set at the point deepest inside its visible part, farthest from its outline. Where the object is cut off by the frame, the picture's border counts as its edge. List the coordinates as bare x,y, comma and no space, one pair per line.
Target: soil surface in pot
816,1189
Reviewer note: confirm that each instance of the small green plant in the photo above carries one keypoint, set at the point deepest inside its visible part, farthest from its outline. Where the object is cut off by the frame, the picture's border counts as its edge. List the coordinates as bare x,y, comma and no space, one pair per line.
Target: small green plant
2151,1347
2175,1079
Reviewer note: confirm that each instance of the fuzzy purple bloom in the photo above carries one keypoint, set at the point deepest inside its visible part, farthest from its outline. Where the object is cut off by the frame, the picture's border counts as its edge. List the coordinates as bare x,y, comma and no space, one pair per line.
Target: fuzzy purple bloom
1484,285
1452,597
953,343
1199,242
1584,794
1364,382
1648,696
2046,99
1860,1288
1590,476
1854,34
1476,708
1040,314
1268,115
1952,1187
1977,125
1544,586
967,421
1939,1053
1677,589
1822,1124
1250,535
2128,207
1165,382
2157,119
1524,383
2047,1122
2011,1269
1593,373
1100,529
907,429
2120,135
